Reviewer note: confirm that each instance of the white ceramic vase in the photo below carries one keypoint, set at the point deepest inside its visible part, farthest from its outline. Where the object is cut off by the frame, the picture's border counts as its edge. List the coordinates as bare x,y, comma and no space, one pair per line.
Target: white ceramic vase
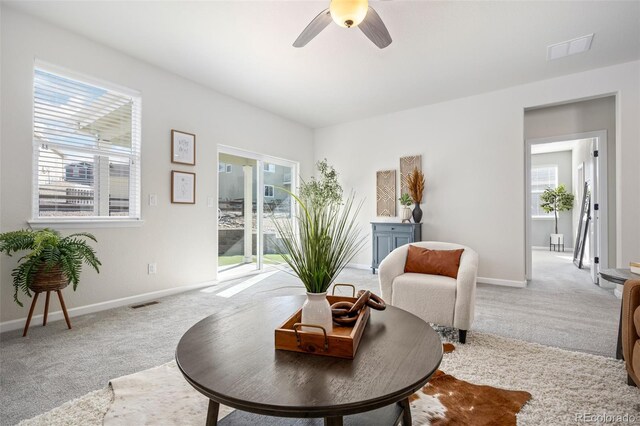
317,311
406,213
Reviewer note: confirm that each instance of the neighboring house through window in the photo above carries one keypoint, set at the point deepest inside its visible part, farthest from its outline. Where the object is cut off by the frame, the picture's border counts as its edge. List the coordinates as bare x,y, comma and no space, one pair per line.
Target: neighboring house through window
542,177
268,191
86,148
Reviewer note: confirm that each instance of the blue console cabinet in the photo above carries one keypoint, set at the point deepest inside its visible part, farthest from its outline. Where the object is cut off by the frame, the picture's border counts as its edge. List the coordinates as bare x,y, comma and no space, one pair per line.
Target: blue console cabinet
388,236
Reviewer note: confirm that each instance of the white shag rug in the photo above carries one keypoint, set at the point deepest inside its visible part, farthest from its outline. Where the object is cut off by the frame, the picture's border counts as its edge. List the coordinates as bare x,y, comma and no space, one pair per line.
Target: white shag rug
565,387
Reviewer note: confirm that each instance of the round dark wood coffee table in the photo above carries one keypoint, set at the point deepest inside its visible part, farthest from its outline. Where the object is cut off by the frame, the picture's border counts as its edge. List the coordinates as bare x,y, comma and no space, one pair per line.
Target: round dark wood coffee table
230,358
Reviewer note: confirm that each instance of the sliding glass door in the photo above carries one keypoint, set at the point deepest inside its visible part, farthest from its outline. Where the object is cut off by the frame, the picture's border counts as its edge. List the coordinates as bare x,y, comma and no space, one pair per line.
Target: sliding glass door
277,206
253,192
237,212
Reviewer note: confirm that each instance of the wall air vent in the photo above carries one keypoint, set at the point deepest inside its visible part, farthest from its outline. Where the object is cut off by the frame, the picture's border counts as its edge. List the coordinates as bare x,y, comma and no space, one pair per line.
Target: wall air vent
142,305
570,47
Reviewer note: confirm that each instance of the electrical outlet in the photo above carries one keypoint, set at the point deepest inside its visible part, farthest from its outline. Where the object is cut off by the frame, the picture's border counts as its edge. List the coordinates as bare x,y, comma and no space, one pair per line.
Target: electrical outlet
210,202
153,199
152,268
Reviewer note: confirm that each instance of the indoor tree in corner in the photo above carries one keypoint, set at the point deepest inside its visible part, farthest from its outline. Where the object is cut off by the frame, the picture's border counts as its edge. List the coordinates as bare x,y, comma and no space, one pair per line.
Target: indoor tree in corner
321,241
556,200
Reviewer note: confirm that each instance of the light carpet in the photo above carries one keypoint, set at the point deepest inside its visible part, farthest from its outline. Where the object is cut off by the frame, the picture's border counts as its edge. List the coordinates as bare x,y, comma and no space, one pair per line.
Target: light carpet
563,384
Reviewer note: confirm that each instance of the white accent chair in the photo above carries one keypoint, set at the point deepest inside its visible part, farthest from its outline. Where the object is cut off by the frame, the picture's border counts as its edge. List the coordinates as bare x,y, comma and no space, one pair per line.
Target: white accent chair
436,299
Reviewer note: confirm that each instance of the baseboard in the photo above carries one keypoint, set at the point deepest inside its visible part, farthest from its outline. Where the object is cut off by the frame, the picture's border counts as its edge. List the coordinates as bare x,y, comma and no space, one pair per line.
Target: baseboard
102,306
505,283
494,281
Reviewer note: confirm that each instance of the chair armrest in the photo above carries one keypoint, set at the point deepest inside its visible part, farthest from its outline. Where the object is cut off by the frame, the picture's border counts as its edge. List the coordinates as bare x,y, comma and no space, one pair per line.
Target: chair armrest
466,290
391,267
630,302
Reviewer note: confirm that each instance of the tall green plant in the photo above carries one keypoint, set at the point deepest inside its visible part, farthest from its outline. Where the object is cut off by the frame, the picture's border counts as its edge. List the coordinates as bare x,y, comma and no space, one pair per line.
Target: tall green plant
322,190
556,200
48,250
324,234
321,241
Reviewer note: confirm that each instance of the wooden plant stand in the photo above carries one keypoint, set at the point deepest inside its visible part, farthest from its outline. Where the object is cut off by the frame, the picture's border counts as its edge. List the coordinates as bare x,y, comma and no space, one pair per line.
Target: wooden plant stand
46,309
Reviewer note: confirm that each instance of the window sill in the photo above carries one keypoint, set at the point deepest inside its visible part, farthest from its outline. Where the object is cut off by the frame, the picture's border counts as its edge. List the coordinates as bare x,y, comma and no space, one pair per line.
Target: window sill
542,218
84,223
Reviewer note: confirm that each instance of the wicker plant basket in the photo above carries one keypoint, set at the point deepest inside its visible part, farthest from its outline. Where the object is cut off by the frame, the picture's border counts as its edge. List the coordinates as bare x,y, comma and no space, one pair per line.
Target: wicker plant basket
51,280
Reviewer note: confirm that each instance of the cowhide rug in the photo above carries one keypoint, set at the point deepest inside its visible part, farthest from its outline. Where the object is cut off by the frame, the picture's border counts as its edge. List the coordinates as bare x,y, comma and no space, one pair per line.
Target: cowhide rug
563,384
142,398
445,400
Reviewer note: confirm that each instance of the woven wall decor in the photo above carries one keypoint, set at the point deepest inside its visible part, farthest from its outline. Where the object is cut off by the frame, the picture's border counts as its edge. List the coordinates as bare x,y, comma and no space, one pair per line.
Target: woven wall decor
407,164
386,193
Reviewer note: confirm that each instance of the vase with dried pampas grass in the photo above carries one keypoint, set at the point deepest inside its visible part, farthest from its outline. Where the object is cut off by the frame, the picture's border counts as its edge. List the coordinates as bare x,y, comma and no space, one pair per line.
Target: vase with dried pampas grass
415,184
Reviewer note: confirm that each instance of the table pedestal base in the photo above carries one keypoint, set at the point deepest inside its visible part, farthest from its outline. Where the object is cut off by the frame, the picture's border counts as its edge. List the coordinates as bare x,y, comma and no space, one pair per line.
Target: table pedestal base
390,415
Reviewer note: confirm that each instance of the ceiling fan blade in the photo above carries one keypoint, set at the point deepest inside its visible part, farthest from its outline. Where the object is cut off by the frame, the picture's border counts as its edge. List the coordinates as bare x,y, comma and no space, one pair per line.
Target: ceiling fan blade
375,30
313,29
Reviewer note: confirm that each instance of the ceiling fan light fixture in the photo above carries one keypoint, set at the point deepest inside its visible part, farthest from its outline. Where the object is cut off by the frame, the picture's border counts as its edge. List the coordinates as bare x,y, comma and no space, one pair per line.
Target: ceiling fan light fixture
348,13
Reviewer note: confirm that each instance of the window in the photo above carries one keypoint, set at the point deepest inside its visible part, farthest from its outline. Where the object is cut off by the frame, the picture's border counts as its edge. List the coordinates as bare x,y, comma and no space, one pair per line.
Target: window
229,168
86,146
222,167
268,191
542,177
269,168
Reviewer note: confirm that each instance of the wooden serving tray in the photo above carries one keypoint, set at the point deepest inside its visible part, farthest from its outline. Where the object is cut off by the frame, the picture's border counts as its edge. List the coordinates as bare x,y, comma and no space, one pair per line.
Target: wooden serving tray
341,342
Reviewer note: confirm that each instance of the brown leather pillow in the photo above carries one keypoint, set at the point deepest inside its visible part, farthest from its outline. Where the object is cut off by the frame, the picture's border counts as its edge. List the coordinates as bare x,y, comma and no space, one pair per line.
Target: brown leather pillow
435,262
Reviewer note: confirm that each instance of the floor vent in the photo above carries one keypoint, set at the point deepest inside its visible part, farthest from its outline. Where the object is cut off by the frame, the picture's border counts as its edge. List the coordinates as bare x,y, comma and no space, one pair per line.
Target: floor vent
142,305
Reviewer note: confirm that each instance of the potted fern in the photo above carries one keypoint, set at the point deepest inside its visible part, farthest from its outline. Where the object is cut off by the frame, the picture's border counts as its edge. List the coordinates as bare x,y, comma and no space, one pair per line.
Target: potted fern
321,240
52,262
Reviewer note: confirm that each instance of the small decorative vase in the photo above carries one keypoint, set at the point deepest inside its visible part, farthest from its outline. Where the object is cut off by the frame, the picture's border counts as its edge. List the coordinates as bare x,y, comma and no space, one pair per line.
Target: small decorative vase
317,311
417,213
406,214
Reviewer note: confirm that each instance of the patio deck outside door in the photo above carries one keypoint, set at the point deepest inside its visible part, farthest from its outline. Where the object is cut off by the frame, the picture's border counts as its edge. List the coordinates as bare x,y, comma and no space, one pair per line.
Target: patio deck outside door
253,191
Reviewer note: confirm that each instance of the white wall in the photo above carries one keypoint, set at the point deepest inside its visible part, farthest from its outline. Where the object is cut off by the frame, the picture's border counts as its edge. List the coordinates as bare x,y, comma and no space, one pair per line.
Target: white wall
541,228
182,239
473,159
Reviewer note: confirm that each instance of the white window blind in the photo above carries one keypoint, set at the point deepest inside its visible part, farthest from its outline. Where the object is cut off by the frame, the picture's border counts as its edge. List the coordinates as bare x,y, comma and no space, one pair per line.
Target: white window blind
86,149
542,177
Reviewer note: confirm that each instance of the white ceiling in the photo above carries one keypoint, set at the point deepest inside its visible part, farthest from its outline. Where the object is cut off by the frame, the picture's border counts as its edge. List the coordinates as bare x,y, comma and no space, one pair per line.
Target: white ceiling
441,50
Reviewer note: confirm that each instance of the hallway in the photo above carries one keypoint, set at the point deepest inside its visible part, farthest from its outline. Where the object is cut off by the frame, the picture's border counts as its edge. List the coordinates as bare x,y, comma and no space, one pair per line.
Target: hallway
557,269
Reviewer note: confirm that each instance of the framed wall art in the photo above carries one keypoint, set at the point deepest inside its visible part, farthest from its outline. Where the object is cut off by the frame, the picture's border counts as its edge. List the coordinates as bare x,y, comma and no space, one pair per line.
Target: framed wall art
386,193
183,187
407,164
183,147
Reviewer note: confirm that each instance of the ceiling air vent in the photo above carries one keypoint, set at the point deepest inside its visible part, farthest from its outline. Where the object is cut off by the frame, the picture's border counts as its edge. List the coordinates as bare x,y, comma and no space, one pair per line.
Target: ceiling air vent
570,47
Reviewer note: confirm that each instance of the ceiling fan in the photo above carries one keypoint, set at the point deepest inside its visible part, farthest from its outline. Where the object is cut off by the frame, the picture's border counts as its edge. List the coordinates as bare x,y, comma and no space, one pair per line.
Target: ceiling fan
348,13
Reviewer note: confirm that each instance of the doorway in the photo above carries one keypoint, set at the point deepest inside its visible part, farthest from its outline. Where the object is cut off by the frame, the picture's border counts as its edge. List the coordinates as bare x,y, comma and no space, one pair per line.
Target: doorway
574,242
254,190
